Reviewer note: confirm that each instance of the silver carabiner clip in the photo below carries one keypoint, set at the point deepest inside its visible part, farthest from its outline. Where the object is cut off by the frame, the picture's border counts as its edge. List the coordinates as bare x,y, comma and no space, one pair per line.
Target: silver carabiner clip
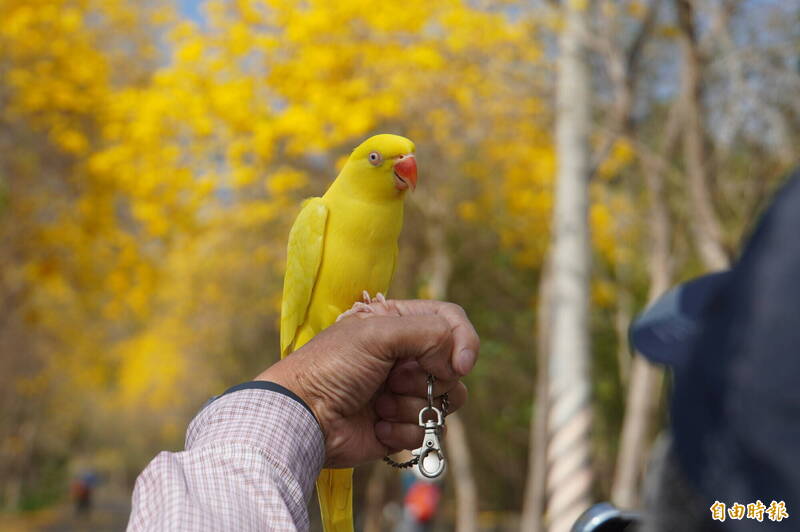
431,459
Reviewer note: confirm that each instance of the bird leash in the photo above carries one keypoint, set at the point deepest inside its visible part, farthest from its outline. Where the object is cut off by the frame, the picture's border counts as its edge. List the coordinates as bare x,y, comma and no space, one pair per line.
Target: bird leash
429,458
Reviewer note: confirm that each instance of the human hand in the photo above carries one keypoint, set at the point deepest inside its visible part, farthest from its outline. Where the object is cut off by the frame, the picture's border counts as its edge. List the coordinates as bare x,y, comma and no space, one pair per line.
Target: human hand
365,377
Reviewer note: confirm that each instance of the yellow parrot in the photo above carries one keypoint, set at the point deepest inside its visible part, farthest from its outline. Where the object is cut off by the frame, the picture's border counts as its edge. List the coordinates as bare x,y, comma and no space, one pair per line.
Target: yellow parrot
341,245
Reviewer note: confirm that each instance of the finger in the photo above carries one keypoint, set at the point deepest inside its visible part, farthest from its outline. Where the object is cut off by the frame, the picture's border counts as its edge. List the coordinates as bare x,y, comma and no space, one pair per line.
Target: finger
427,339
466,340
399,436
413,380
362,446
403,365
405,409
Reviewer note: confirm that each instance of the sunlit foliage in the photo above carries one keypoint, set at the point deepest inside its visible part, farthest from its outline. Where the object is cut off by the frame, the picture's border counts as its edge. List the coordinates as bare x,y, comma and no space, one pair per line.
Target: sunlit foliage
151,164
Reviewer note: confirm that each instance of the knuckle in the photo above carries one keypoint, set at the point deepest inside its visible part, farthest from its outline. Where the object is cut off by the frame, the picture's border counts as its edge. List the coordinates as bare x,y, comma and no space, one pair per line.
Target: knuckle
458,309
441,332
367,326
370,336
372,330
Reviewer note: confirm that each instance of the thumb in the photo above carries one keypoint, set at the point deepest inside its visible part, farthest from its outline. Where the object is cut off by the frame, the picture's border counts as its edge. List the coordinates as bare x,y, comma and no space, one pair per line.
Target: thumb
426,339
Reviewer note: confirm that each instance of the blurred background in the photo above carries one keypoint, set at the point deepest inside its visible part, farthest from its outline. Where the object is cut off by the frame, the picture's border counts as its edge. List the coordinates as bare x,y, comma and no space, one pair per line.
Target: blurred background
576,159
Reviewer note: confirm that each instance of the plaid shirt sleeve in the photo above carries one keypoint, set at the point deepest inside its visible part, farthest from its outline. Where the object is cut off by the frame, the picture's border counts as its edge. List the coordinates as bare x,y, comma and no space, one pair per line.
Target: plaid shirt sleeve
250,463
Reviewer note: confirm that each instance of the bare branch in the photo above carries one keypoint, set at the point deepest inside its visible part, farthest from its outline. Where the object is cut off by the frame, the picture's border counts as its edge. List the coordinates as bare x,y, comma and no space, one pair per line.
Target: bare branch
623,68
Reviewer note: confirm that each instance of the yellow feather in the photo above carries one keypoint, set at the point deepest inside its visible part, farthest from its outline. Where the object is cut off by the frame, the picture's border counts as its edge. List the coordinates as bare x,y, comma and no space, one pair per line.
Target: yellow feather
303,259
340,245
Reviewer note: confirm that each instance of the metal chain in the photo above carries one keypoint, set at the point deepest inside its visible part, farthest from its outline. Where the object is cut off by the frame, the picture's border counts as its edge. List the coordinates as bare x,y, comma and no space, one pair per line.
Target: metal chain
445,406
401,465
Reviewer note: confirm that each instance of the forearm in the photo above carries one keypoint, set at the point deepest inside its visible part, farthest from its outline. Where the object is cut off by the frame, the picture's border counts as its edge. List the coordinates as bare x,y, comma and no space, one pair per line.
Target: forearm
250,462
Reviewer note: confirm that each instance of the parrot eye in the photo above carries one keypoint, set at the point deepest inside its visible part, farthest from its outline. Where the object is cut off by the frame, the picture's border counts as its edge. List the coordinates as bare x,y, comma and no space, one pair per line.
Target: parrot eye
375,158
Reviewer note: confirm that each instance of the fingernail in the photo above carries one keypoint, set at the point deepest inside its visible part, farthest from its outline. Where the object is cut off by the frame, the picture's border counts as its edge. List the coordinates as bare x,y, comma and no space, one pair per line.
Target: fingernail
383,429
464,361
386,406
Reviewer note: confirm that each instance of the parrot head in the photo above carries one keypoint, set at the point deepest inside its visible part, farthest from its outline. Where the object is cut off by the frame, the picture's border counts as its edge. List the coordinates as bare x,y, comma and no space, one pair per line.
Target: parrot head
383,165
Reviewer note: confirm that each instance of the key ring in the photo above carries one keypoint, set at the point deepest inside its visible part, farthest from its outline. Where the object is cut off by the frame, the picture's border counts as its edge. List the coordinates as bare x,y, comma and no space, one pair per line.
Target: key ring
430,390
431,448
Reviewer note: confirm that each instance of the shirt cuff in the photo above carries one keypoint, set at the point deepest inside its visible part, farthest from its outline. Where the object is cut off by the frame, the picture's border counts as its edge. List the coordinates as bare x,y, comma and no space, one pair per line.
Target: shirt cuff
269,418
264,385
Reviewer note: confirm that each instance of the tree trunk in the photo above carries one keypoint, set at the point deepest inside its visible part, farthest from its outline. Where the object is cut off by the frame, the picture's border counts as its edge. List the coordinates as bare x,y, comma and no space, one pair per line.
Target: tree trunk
376,495
644,381
705,226
534,499
457,447
645,378
569,479
622,319
463,480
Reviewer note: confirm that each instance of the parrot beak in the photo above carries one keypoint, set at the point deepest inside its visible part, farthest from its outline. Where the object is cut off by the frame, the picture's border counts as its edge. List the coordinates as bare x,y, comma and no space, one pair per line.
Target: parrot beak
405,172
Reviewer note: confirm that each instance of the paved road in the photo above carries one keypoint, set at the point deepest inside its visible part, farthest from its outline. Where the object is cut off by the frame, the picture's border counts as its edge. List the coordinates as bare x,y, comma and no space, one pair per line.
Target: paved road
109,513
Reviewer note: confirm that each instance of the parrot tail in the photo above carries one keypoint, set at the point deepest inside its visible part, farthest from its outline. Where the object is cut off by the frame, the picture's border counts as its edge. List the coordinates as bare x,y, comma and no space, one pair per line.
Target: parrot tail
335,492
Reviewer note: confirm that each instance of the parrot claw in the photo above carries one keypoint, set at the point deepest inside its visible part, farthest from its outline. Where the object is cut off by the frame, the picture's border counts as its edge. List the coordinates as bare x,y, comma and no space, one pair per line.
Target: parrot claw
382,300
361,307
364,306
357,307
379,298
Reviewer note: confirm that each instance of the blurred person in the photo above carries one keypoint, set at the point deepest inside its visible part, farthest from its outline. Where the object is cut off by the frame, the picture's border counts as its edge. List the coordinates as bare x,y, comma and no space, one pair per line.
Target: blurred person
350,395
420,503
732,340
81,491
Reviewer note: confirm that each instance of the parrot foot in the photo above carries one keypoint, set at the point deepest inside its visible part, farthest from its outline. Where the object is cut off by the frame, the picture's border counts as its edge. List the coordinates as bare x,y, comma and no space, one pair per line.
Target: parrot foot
357,307
379,298
364,306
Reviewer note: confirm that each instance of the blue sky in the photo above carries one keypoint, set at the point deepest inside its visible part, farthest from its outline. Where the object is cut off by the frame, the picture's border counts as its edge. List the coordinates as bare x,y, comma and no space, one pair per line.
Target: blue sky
191,8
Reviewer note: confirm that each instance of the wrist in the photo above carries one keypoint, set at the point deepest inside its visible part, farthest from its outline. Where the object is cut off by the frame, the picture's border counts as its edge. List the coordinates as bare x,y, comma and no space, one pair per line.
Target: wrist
284,375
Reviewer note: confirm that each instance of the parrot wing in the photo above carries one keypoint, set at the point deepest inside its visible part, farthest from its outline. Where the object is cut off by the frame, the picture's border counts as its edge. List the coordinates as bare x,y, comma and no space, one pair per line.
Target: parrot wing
303,257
